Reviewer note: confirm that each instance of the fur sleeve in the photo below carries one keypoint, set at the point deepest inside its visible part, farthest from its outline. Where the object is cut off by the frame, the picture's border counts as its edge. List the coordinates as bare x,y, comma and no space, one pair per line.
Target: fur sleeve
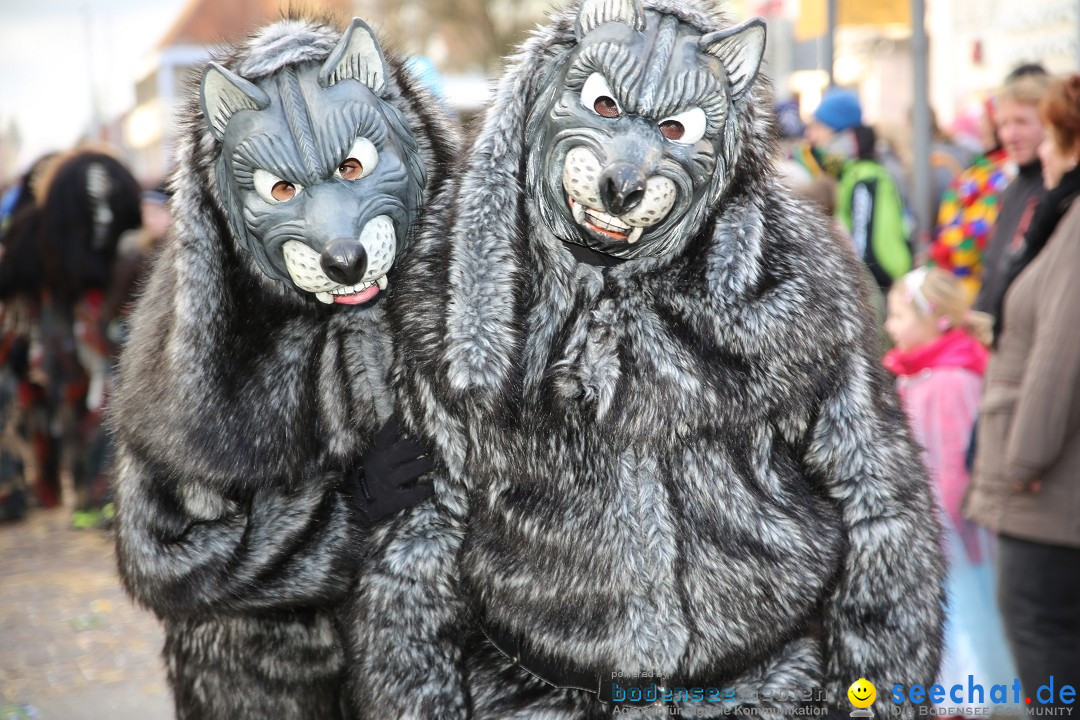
883,620
185,547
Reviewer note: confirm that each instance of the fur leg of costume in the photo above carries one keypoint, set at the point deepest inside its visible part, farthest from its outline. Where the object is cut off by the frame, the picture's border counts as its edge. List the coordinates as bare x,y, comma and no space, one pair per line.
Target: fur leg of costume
255,376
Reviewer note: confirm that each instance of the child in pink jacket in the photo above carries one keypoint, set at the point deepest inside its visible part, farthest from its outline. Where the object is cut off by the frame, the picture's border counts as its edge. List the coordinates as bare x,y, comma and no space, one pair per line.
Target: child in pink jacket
939,358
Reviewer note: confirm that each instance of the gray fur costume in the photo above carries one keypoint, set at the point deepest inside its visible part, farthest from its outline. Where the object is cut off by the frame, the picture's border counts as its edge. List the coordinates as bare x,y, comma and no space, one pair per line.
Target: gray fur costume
689,463
244,396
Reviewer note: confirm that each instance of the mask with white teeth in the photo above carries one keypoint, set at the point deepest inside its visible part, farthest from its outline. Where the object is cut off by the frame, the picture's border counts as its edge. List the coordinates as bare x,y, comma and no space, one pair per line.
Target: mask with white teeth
320,175
627,144
309,274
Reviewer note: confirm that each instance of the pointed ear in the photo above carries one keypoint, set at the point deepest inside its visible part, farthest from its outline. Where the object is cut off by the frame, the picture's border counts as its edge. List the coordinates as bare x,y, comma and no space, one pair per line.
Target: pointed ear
357,56
740,49
223,93
594,13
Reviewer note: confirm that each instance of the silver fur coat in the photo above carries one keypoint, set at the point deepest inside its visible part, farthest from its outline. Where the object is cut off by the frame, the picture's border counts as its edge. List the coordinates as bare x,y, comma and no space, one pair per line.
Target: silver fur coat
241,400
690,463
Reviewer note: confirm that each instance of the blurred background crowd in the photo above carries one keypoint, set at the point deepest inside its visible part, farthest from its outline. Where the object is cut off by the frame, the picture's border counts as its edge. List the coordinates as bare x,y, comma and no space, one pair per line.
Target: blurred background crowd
974,287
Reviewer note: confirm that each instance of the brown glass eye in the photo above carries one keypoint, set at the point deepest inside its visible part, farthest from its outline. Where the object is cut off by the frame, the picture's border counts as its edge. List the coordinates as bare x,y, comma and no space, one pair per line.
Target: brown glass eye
672,129
283,191
606,107
351,169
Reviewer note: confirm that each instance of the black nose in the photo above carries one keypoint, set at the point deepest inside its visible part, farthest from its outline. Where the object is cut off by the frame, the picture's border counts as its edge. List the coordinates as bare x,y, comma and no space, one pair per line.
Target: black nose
622,187
344,261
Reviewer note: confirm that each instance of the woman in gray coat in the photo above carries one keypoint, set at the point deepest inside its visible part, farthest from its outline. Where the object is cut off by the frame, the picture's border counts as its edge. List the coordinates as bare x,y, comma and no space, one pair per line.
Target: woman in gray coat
1026,483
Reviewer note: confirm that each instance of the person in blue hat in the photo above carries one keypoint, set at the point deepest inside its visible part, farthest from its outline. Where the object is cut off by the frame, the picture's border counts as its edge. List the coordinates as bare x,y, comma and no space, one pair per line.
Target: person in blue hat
838,111
868,202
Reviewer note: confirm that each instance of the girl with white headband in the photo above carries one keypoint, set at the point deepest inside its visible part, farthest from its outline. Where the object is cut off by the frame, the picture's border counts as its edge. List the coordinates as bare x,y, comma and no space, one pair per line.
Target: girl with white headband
939,358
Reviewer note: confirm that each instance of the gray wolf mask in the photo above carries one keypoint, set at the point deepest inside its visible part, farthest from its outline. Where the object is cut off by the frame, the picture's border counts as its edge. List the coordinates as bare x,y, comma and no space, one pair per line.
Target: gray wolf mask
320,175
632,141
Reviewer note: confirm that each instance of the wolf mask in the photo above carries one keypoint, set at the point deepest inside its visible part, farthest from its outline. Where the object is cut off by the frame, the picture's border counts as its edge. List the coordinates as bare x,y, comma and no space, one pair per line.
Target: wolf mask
631,142
321,175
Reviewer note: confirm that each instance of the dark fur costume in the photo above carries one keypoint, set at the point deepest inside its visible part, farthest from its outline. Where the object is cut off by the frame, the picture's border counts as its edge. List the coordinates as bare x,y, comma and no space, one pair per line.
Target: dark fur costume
56,261
65,241
690,463
240,402
92,200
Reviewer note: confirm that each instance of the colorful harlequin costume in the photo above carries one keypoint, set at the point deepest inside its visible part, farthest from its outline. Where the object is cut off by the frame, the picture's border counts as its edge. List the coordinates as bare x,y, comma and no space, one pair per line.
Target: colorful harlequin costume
968,211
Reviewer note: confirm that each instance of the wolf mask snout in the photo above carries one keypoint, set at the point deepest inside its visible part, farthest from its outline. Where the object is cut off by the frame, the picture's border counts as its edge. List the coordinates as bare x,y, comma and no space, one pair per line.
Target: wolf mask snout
344,261
622,187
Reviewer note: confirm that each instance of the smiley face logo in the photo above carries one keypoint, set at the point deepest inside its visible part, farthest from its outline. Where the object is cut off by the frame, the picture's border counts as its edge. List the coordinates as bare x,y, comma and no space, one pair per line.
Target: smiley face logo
862,693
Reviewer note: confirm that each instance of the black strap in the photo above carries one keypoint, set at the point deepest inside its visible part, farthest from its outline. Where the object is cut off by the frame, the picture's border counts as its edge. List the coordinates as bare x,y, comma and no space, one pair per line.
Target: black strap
561,675
593,257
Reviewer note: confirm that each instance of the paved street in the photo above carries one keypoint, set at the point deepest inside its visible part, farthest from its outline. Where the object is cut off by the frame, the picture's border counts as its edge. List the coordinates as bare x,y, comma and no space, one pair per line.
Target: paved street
72,645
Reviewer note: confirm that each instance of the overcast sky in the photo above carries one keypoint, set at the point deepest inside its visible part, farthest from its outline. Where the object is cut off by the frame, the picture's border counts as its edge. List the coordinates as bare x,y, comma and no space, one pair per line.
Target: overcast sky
49,52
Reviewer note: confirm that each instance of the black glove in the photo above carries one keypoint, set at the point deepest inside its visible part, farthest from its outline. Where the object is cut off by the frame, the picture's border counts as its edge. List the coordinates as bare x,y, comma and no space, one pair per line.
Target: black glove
391,478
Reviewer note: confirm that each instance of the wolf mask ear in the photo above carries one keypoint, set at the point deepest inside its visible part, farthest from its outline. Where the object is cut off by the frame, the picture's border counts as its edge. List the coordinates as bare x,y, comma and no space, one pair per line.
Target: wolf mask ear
594,13
223,93
740,49
357,56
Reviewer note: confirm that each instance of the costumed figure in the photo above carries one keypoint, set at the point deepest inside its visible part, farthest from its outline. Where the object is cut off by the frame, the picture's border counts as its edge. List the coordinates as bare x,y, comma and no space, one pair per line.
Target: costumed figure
26,445
55,271
252,386
92,201
671,468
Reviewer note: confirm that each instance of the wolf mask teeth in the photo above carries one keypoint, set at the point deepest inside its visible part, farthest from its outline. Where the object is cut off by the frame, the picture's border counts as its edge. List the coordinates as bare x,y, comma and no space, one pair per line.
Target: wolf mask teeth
581,173
305,267
313,157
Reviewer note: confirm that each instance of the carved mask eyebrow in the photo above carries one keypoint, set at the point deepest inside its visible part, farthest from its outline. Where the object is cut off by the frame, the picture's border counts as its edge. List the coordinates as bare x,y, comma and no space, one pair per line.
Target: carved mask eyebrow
697,88
612,60
346,123
336,136
265,151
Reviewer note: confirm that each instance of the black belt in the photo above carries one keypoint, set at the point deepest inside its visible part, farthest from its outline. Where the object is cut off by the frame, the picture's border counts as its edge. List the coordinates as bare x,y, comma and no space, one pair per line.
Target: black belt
560,675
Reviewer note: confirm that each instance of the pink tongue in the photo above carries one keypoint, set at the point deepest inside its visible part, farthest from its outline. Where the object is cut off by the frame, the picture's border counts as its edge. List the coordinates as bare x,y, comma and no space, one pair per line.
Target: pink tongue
355,299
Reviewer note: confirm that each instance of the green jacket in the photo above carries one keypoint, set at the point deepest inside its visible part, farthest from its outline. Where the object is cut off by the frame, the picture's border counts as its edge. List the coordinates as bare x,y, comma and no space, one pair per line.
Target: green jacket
868,203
